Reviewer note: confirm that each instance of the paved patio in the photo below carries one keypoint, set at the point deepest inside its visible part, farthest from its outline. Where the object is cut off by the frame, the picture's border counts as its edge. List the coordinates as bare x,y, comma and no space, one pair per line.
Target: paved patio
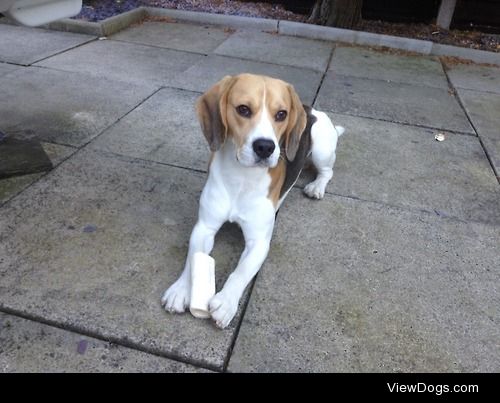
397,269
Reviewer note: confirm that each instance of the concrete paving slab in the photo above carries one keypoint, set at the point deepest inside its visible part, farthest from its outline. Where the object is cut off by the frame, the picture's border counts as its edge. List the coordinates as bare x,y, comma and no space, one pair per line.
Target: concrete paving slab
483,109
188,37
474,77
123,61
164,129
396,102
19,157
208,71
11,186
352,286
405,166
22,45
32,347
95,252
278,49
63,107
7,68
399,68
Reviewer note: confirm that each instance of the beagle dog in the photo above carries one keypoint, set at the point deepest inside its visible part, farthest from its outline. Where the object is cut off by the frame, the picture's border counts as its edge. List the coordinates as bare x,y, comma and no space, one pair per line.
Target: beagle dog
260,135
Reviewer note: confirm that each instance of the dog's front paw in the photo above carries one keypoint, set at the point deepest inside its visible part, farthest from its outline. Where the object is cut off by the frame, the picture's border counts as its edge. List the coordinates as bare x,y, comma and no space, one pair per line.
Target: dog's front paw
176,298
223,308
315,189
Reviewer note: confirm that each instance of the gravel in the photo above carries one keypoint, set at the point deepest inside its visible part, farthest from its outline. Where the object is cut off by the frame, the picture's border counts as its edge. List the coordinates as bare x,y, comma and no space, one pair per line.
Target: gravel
429,32
97,10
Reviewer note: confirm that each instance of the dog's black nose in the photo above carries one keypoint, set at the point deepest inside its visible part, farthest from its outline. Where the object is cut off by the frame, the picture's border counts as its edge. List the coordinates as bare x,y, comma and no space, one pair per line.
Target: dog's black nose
263,147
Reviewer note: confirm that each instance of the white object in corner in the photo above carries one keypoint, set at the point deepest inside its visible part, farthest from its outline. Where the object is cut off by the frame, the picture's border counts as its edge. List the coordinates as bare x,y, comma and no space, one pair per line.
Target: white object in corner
38,12
202,284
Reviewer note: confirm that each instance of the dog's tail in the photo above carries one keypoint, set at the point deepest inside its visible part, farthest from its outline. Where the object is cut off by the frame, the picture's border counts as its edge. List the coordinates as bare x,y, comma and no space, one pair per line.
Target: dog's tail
340,130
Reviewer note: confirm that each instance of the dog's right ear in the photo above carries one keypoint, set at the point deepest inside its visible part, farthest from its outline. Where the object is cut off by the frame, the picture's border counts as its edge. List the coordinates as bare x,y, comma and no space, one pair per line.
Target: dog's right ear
297,122
211,109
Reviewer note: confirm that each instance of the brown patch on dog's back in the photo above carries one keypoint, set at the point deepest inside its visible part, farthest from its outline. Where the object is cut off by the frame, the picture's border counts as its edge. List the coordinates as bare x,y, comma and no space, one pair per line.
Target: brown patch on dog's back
277,174
286,173
212,155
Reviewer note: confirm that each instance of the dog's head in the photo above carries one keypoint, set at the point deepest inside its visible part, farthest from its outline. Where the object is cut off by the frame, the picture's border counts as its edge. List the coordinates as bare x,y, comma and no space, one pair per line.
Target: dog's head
257,113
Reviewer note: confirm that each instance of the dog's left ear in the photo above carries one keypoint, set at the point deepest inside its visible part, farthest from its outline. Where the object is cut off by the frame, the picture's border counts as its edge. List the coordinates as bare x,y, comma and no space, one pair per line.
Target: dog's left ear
297,120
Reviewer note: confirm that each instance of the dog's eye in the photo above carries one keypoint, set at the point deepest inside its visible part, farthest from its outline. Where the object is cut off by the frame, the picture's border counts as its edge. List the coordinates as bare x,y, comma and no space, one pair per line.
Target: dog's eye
280,116
244,111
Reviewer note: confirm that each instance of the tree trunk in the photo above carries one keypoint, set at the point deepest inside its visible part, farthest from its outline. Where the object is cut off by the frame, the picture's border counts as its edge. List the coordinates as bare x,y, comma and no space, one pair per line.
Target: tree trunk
336,13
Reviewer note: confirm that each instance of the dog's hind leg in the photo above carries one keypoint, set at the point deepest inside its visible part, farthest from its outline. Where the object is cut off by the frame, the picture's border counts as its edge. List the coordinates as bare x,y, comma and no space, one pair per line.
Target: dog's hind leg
324,136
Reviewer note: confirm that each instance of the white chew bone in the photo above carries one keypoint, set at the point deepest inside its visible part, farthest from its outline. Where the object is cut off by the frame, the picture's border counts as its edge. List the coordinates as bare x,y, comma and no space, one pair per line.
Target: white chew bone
202,284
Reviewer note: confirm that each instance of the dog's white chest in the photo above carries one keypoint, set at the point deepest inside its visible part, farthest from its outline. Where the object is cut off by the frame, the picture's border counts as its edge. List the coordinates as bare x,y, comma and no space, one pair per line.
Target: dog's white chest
236,193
